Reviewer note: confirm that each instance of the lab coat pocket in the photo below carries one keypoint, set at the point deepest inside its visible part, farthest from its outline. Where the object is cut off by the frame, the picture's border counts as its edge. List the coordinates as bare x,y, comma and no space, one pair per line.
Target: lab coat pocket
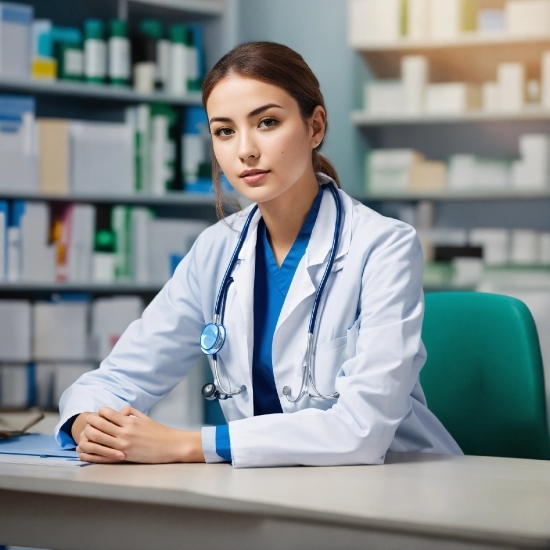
327,362
352,337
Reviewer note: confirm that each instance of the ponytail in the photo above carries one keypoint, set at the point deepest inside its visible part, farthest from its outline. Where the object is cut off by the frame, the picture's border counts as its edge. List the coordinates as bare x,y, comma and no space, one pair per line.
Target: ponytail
322,164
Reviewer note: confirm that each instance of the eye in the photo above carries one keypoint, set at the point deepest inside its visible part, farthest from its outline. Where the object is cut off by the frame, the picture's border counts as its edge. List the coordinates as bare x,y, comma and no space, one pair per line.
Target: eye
269,122
223,132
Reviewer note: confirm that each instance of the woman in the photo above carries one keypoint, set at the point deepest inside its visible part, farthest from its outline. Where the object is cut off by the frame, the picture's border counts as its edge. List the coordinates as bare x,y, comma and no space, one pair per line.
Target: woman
268,120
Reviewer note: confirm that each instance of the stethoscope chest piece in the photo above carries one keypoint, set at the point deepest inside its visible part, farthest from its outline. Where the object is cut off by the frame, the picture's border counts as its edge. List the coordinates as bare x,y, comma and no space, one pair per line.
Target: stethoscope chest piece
212,338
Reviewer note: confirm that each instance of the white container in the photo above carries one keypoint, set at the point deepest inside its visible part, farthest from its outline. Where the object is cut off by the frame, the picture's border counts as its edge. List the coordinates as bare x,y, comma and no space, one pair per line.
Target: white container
15,330
490,93
524,249
144,77
445,18
419,19
495,244
374,21
179,69
528,17
511,85
15,39
414,74
385,98
532,172
119,58
452,98
544,248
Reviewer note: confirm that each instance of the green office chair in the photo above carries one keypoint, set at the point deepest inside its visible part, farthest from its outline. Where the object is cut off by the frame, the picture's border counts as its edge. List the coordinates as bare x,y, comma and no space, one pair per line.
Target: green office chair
484,378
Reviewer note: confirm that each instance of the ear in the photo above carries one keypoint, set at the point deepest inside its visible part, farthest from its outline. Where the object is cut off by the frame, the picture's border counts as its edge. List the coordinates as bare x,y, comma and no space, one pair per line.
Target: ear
318,125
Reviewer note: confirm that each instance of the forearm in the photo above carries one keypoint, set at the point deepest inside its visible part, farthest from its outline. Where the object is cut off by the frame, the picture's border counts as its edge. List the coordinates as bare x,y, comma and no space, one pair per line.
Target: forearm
78,426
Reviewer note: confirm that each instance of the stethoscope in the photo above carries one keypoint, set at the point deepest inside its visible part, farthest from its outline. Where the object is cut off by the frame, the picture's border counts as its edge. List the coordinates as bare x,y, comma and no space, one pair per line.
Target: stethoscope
213,335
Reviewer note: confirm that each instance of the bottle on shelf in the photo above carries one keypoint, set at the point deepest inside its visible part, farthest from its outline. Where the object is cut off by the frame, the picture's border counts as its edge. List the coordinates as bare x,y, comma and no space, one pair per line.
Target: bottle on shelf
119,53
144,55
67,48
179,60
95,51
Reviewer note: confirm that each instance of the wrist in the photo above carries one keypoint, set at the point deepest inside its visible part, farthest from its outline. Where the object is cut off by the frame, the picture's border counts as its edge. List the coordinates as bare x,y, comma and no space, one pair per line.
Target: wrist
190,447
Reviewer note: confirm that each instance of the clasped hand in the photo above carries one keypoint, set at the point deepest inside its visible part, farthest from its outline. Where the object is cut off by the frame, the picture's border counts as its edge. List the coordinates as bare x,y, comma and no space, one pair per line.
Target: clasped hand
129,435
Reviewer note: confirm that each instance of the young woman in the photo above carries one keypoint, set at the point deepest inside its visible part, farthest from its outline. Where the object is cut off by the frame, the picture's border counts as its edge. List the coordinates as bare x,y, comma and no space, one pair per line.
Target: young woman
308,303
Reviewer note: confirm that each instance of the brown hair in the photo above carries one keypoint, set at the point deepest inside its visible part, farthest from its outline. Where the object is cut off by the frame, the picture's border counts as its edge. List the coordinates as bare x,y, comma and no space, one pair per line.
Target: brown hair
278,65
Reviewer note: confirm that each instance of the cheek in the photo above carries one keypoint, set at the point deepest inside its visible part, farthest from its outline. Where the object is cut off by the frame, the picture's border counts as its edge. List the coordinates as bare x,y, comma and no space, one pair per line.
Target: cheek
288,147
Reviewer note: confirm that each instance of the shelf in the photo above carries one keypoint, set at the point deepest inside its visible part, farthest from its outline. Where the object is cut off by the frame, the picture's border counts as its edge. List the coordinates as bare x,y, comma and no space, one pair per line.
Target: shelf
365,119
179,199
447,195
91,288
469,58
91,91
205,7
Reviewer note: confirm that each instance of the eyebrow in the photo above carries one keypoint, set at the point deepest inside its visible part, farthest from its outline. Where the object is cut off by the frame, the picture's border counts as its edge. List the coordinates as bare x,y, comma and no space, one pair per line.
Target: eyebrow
253,113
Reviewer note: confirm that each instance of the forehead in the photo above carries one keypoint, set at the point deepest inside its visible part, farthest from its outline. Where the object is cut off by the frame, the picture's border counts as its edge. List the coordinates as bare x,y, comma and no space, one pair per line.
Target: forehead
236,94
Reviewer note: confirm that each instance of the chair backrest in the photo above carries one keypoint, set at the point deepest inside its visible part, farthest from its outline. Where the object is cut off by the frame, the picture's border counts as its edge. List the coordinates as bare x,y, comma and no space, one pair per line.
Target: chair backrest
483,377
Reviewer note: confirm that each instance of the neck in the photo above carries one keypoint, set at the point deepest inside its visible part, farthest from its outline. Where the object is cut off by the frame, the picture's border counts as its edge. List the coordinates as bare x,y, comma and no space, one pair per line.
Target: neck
284,216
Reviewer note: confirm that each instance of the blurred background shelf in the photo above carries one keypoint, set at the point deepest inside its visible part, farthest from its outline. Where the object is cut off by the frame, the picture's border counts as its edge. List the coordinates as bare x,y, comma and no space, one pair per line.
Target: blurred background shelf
207,7
90,91
170,199
89,288
364,119
446,195
471,58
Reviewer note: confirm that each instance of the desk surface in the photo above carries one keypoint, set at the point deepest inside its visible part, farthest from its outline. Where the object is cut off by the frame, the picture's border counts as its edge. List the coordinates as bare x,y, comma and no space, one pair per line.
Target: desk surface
480,498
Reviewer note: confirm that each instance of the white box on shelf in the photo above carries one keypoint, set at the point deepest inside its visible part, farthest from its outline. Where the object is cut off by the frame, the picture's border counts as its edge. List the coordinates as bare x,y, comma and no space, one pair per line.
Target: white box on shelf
18,145
467,271
544,248
452,98
15,39
415,77
491,20
495,244
445,19
66,374
490,93
528,17
511,86
37,255
418,27
15,385
102,158
445,236
81,243
533,170
60,331
524,247
170,239
545,80
110,318
15,330
385,98
468,172
374,21
389,170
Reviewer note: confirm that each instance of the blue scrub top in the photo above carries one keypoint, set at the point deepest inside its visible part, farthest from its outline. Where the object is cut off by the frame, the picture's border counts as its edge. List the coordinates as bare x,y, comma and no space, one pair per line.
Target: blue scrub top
271,286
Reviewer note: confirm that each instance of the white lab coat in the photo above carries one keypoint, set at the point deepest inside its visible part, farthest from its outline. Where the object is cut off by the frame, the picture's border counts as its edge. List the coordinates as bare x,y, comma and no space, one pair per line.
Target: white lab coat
368,345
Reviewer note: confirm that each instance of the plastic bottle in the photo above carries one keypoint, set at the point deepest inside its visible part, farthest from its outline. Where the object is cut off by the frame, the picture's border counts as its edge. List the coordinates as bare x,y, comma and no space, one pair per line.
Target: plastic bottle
95,51
179,60
119,53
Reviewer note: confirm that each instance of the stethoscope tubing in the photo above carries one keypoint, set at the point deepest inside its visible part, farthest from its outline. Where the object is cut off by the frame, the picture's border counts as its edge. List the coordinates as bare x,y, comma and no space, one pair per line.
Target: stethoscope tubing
308,382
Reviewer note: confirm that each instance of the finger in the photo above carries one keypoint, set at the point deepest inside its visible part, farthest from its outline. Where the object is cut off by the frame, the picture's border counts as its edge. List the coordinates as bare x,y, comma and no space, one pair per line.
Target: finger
101,438
89,447
126,410
97,459
103,425
135,412
113,416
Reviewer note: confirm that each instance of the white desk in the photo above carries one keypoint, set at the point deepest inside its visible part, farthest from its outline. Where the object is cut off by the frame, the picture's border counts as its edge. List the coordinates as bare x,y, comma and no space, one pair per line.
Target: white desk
413,502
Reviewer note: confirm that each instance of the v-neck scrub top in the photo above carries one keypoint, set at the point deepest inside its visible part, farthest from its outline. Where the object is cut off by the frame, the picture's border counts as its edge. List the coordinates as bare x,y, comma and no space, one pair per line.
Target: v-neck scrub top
271,285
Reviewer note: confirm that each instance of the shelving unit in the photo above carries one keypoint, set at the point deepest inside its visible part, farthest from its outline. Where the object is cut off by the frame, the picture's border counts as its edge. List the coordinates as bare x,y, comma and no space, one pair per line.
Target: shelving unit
474,56
455,196
532,113
90,91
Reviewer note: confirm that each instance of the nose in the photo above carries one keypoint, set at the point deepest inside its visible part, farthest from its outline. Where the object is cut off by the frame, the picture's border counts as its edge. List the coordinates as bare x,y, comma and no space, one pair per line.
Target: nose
247,147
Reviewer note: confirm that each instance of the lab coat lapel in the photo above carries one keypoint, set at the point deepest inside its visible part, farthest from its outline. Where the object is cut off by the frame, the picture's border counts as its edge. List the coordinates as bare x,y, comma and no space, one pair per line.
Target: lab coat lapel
243,277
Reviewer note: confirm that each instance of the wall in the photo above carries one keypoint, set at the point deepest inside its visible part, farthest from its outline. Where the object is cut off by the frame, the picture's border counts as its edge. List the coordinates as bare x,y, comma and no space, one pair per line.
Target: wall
317,30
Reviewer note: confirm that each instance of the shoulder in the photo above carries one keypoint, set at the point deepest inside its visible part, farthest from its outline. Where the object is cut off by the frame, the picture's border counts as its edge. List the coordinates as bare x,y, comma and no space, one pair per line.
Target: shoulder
374,231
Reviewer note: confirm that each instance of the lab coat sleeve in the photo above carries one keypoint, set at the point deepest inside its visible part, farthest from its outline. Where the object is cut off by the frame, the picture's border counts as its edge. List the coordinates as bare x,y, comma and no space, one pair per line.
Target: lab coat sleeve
375,384
151,357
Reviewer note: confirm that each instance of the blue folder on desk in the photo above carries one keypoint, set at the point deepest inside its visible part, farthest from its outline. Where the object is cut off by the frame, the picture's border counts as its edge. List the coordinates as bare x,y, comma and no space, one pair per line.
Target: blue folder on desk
41,445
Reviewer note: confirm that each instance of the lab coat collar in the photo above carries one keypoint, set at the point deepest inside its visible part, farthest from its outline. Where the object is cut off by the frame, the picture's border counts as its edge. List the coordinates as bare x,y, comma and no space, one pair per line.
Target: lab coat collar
323,232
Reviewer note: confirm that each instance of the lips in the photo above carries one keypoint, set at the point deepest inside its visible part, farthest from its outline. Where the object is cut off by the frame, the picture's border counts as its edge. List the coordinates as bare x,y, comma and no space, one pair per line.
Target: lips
254,177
